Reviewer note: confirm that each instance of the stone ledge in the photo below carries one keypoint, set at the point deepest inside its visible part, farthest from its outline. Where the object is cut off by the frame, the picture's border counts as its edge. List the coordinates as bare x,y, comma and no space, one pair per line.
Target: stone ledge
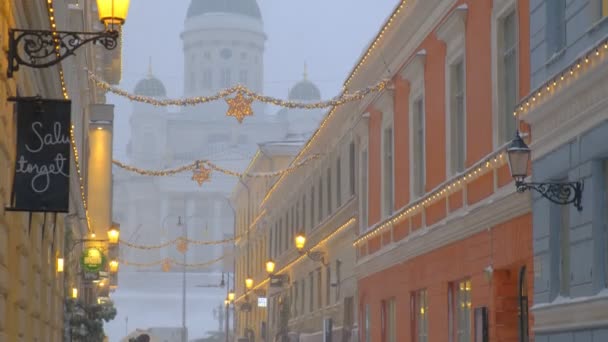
583,313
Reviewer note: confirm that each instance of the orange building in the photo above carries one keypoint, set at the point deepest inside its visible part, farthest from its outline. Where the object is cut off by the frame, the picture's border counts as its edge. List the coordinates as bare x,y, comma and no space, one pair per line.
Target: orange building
445,248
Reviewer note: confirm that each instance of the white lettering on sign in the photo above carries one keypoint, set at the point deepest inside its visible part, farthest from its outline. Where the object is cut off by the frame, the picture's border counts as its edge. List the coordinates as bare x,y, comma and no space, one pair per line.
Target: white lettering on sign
42,173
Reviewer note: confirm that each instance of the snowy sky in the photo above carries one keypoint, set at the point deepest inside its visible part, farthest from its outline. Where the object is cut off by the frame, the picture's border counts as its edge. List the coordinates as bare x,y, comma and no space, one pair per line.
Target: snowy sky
329,35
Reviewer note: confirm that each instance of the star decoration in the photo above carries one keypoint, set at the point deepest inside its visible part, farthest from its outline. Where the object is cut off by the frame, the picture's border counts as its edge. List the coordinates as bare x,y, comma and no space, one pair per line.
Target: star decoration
182,245
239,106
201,174
166,265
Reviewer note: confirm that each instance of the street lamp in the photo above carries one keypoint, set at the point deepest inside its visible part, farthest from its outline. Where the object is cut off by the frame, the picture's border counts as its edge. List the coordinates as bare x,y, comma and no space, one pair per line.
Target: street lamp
113,235
44,48
249,283
270,265
231,296
317,256
562,193
59,265
113,266
74,293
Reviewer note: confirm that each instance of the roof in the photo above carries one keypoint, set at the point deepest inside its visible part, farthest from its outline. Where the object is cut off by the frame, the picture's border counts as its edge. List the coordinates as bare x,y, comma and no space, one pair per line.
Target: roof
247,8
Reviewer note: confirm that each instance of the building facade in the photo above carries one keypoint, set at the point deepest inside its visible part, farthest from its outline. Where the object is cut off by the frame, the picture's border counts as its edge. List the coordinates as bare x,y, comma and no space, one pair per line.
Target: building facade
34,288
444,251
569,123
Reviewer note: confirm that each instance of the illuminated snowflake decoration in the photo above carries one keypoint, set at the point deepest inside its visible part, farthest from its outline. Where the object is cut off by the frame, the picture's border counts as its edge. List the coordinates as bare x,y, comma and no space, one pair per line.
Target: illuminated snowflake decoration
201,174
182,245
239,107
166,265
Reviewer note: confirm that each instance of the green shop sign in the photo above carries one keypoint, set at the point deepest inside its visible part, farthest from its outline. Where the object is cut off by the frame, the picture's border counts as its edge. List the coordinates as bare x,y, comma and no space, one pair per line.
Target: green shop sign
92,259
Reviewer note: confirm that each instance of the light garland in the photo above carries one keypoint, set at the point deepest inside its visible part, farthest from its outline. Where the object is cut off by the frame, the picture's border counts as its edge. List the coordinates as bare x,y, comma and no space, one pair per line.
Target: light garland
299,258
178,241
198,167
167,262
245,93
201,174
571,72
53,24
491,162
239,107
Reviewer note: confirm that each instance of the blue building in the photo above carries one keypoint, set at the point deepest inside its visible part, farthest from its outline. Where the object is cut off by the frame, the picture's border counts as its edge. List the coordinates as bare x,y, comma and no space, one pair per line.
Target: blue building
568,115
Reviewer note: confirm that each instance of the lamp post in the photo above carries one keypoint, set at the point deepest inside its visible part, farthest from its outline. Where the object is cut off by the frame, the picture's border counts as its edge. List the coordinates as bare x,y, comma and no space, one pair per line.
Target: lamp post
44,48
562,193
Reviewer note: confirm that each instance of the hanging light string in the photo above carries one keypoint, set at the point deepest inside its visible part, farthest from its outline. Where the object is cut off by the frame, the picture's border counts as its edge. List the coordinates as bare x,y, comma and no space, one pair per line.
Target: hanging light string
198,163
169,261
580,65
56,40
177,241
243,90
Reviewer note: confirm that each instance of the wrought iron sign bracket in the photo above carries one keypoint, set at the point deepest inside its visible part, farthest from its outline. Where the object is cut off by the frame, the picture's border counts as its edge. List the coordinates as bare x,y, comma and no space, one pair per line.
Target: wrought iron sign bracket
41,49
558,193
316,257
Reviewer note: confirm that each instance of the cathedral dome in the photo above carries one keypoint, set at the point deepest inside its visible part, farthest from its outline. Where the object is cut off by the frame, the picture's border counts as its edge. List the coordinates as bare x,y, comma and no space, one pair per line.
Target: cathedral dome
243,7
150,86
305,90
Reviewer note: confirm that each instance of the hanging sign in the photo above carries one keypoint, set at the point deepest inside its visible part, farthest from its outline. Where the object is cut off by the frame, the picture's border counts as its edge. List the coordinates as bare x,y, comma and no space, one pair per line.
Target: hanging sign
92,260
42,166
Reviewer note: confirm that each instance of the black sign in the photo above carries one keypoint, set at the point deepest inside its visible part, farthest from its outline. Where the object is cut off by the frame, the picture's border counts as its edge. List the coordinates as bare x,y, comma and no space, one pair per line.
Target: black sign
91,276
42,166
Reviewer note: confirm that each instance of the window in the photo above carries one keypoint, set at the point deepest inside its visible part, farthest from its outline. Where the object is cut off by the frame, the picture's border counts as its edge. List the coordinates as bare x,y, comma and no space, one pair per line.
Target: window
351,168
508,86
418,174
207,79
460,310
366,325
420,316
271,244
329,201
555,31
389,322
457,118
243,79
319,289
387,177
281,233
327,286
320,200
311,302
363,191
297,294
338,280
312,207
225,78
302,303
338,183
303,224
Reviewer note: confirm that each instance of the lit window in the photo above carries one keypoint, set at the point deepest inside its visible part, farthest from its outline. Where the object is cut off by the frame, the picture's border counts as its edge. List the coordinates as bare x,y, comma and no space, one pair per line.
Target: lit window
420,316
460,310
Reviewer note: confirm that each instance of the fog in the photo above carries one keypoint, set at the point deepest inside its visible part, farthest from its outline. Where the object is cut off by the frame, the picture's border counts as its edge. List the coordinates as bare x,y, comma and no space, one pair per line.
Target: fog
328,35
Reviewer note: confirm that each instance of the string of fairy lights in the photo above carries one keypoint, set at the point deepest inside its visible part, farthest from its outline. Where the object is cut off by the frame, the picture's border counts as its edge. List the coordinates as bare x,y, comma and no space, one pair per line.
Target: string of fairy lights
166,263
177,241
244,92
592,56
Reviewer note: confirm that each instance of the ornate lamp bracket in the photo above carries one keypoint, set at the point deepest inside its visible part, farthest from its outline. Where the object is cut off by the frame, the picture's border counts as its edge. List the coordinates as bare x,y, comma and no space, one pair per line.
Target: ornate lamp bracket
41,48
558,193
317,257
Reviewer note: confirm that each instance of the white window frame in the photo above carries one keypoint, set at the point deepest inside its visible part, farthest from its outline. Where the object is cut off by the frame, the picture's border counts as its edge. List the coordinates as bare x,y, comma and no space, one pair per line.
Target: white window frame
452,32
385,105
501,9
414,73
364,188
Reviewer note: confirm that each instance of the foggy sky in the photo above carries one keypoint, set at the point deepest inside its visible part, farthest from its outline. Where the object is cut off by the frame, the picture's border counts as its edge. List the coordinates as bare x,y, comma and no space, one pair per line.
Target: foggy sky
329,35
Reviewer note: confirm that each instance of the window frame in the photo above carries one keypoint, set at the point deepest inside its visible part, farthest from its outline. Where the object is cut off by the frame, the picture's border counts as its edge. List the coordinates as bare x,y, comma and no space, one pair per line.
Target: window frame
500,11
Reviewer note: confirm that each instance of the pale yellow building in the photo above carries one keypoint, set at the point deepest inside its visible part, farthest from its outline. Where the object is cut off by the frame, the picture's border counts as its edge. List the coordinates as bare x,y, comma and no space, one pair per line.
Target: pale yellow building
33,284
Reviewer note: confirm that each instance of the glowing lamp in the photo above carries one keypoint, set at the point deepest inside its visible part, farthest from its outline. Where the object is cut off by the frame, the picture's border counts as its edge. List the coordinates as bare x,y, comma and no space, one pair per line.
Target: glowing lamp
270,265
113,235
231,295
300,241
59,265
249,283
113,266
113,12
74,293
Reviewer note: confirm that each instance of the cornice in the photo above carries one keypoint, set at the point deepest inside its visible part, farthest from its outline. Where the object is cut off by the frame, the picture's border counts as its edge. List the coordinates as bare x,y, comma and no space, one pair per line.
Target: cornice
577,313
502,206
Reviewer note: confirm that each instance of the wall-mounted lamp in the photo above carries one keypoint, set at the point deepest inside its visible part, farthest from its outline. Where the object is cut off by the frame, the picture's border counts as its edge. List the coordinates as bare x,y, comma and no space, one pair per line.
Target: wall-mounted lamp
59,265
74,293
562,193
300,242
113,265
249,283
113,235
